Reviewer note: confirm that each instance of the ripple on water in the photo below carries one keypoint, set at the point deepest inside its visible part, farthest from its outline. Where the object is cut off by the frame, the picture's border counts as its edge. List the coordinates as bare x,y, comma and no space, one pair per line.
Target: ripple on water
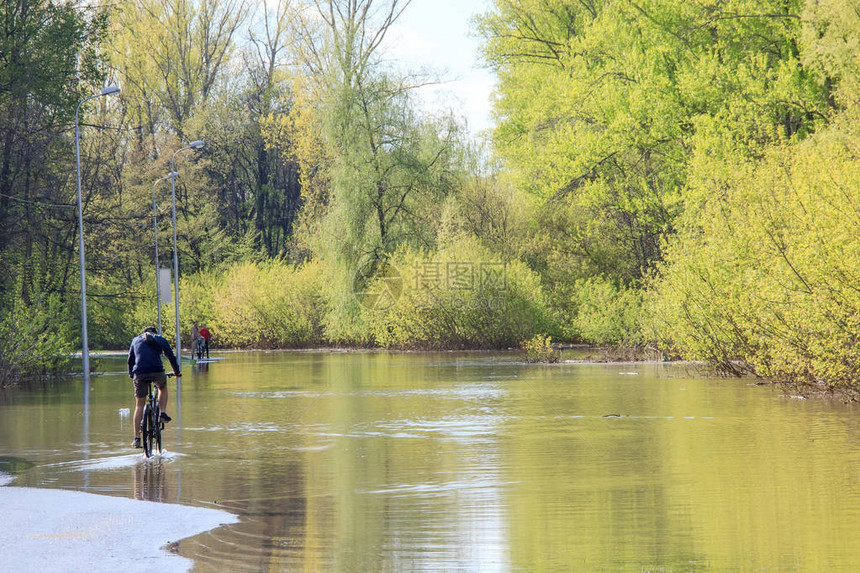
114,462
240,428
245,546
472,391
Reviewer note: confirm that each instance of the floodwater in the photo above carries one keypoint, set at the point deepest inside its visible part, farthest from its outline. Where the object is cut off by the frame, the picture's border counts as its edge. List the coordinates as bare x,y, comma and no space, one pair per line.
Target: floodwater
463,462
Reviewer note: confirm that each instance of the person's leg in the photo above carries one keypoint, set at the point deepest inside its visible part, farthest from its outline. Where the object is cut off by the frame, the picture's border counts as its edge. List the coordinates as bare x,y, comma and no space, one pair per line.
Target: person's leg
206,342
162,398
138,414
139,401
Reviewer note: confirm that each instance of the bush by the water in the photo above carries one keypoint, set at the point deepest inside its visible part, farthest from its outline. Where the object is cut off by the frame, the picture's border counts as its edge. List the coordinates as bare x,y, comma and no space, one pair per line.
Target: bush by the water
764,275
269,305
34,341
539,348
605,314
460,296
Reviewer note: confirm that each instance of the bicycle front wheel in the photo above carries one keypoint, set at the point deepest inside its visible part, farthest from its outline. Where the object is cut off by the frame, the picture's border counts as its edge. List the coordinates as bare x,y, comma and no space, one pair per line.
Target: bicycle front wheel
157,425
147,430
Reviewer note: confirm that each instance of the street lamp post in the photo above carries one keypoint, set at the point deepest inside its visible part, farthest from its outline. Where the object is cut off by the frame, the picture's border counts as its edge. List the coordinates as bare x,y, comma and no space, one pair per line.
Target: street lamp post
155,227
197,144
85,351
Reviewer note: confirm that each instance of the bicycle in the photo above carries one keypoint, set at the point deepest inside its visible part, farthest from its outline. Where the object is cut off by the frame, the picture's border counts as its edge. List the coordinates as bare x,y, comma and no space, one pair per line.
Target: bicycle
151,424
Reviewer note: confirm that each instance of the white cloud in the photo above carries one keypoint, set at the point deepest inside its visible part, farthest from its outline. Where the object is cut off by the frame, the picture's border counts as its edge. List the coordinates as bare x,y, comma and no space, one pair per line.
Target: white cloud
435,35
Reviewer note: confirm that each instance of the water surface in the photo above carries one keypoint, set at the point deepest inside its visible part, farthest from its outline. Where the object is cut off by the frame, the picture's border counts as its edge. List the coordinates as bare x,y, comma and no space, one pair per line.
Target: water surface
464,462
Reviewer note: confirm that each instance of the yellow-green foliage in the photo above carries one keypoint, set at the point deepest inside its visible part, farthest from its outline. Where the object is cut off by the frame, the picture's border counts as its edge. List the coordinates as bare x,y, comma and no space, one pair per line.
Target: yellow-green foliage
766,271
605,313
600,102
199,293
143,313
539,348
196,293
460,296
344,321
33,342
272,304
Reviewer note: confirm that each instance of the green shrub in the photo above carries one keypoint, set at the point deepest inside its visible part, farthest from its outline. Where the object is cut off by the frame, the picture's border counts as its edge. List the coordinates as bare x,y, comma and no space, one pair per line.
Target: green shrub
345,320
270,305
763,276
199,293
606,314
35,338
539,348
460,296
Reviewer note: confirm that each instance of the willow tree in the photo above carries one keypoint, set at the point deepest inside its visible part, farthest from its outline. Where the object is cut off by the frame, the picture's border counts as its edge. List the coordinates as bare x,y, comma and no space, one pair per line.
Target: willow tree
602,103
373,169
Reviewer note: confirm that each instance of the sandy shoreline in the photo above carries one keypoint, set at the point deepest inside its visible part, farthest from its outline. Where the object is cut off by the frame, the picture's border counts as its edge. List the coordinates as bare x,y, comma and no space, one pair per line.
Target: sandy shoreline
49,530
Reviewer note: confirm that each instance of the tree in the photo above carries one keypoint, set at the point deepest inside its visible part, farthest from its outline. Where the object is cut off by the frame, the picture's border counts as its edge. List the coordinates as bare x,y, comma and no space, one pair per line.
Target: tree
762,275
41,82
49,60
604,104
171,55
259,192
372,169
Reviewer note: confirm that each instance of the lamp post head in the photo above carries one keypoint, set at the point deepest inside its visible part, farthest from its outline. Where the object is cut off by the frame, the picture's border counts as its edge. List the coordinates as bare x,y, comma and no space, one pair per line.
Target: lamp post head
109,90
170,175
196,144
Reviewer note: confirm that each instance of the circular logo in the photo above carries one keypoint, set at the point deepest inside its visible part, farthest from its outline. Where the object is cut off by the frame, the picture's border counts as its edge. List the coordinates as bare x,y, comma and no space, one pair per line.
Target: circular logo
377,285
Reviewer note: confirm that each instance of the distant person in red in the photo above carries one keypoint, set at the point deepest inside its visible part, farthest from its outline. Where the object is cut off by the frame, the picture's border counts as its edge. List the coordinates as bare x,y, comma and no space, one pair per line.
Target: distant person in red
204,332
145,366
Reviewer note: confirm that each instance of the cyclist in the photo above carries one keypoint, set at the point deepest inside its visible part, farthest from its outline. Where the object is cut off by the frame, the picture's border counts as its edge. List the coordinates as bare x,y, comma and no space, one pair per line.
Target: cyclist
145,366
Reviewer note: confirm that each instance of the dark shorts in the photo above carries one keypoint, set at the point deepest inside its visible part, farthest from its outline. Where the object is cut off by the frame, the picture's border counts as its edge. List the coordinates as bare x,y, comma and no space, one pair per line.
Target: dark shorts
141,382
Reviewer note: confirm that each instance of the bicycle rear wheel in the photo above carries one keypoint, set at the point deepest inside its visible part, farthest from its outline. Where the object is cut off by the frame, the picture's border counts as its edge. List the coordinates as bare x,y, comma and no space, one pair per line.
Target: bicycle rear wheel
146,430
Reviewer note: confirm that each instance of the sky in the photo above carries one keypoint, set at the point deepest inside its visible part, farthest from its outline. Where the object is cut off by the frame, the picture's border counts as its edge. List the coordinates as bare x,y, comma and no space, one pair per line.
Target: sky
437,34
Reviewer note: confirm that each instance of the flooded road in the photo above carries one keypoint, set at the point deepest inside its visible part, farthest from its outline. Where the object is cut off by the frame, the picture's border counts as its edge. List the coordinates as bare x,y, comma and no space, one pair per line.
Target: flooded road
463,462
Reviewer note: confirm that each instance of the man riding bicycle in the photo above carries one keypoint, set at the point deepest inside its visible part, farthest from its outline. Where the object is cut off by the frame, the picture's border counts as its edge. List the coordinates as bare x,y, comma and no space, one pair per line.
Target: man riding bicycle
145,366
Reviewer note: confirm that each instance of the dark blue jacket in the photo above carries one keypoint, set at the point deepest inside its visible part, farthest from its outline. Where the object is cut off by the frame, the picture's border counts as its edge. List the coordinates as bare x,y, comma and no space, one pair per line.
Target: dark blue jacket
144,356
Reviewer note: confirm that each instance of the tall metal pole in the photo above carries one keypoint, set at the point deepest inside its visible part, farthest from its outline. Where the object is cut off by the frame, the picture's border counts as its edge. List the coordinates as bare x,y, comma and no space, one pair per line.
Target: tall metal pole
85,350
155,227
157,282
193,145
85,347
175,266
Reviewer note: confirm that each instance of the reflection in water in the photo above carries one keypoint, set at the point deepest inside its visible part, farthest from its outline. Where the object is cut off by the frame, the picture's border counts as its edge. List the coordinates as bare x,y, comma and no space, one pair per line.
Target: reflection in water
447,462
149,480
271,533
85,431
